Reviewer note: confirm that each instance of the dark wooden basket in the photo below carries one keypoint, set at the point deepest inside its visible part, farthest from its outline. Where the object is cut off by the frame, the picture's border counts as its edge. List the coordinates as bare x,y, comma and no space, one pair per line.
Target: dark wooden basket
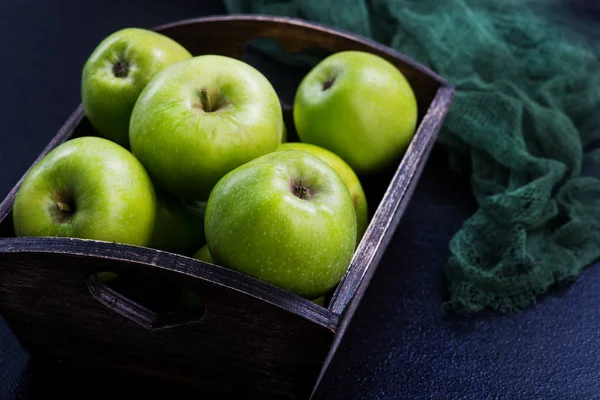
252,339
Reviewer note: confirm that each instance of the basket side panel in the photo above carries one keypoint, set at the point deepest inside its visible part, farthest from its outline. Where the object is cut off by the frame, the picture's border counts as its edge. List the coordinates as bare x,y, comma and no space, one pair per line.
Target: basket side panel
242,345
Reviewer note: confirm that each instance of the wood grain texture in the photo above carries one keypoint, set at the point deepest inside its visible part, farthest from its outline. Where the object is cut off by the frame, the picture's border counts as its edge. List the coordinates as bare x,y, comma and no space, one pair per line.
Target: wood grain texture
253,338
392,206
381,229
243,339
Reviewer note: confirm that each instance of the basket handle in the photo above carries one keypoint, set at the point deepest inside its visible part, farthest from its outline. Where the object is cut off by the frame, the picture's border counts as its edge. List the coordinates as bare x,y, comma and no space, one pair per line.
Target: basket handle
170,305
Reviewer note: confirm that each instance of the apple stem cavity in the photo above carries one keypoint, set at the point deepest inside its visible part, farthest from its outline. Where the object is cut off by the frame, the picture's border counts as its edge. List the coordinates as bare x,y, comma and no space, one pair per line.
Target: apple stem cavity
120,69
300,191
211,101
328,83
64,212
205,99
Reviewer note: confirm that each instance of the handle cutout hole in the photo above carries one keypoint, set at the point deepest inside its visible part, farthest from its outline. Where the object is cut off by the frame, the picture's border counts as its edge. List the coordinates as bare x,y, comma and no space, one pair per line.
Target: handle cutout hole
152,304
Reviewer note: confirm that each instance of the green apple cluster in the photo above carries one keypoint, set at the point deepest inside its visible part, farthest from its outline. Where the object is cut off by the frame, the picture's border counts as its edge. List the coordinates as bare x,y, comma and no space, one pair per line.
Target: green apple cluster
190,157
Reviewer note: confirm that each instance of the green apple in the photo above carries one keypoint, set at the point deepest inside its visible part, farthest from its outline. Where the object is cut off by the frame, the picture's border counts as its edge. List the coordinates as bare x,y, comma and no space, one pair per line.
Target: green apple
204,254
88,188
350,179
176,230
319,301
201,118
359,106
286,218
117,71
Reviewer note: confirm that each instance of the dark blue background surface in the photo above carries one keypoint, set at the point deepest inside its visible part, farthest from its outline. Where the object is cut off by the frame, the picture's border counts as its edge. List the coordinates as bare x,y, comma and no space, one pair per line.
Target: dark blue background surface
400,343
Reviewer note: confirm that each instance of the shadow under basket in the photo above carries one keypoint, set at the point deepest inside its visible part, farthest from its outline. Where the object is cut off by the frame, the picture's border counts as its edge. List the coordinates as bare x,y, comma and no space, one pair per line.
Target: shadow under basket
199,323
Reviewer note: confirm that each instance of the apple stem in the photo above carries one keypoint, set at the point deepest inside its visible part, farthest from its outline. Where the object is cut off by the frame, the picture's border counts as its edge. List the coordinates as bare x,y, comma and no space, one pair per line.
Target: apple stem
301,191
120,69
328,83
205,98
60,206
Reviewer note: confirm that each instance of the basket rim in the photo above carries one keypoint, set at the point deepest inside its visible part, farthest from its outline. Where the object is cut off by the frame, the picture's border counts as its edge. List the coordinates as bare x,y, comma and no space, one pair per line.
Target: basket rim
343,296
303,23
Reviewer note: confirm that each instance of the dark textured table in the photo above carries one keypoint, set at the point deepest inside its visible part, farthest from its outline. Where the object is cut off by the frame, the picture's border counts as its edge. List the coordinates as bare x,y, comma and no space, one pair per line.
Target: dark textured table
400,343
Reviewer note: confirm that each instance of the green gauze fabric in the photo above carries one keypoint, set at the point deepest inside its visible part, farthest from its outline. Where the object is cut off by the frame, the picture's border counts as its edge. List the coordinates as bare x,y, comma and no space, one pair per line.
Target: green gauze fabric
525,112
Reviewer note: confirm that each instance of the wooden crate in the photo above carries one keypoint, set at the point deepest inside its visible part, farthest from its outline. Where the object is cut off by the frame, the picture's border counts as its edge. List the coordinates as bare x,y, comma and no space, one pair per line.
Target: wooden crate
251,339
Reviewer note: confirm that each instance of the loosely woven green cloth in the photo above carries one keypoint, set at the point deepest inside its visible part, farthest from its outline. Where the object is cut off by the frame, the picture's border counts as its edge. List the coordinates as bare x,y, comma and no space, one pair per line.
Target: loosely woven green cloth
525,111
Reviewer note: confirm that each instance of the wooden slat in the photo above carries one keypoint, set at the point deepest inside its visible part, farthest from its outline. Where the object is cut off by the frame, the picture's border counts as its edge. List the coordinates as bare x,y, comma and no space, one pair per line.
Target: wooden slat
255,339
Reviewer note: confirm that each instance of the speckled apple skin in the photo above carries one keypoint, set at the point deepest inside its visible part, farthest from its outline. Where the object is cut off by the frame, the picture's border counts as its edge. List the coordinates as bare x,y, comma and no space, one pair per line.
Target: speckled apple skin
187,149
359,199
111,192
177,229
255,224
359,106
107,99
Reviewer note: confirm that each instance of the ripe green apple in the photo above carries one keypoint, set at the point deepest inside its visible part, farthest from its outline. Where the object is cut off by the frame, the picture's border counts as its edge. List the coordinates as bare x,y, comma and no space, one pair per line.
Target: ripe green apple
204,254
286,218
176,230
117,71
89,188
349,177
359,106
319,301
201,118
